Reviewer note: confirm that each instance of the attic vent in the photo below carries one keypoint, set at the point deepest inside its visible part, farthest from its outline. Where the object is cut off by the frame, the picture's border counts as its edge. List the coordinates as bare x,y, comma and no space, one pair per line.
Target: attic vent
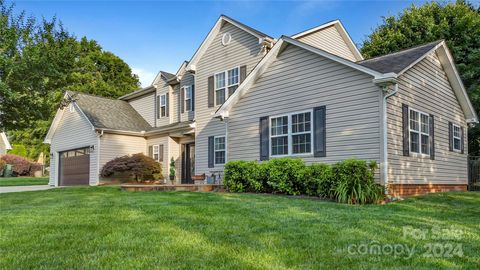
226,38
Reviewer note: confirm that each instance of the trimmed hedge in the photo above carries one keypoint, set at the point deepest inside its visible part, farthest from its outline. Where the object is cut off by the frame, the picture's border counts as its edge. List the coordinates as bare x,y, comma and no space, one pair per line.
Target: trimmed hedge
21,166
349,181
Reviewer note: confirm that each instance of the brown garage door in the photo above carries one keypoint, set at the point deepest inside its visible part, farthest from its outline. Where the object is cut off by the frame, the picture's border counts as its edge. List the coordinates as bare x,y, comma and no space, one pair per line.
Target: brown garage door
74,167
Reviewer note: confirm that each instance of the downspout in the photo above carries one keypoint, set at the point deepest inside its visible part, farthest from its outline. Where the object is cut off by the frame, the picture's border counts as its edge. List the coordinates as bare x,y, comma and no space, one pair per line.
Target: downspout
385,134
99,136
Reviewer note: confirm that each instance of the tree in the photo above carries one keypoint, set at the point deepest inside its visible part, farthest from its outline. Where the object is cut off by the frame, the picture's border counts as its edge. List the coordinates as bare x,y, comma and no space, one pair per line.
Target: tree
457,23
39,61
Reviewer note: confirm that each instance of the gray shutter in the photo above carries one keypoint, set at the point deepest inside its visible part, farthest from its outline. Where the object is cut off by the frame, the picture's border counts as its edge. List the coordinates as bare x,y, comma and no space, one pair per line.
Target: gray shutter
193,97
462,142
160,152
264,140
210,152
167,105
450,136
157,106
211,93
406,137
432,137
243,73
182,100
319,132
150,151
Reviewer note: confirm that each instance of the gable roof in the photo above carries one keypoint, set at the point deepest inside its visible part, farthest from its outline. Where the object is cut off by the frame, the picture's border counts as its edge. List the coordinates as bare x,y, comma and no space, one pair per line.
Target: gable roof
4,138
106,113
270,57
340,29
398,61
215,30
102,113
413,55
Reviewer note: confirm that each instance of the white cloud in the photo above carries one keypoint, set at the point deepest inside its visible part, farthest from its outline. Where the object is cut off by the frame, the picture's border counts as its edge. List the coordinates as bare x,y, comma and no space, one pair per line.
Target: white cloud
146,77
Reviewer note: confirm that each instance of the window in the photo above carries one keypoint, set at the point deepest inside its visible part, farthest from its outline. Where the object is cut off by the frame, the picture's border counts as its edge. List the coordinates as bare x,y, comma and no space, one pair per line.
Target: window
219,150
188,98
291,134
227,80
419,132
457,138
156,152
163,106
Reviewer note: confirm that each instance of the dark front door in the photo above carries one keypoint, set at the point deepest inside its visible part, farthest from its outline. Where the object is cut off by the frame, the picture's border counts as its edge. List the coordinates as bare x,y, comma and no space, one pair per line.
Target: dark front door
188,167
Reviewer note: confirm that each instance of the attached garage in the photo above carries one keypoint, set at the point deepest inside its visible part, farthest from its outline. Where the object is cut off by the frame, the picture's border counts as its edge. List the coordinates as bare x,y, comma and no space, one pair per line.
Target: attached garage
74,167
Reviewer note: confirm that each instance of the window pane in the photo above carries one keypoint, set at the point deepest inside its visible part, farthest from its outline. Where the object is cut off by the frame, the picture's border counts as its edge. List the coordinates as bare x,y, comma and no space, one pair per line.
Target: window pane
301,144
163,111
219,80
162,100
425,144
456,131
279,126
220,96
220,143
456,144
233,76
414,125
280,145
301,122
220,157
414,145
425,128
188,104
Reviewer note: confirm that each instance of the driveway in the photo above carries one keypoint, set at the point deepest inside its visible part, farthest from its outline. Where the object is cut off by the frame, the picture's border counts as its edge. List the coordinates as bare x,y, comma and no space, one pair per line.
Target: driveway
24,188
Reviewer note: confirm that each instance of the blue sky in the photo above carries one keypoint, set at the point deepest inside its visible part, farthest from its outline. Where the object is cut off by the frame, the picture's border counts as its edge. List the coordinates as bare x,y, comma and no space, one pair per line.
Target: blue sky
158,35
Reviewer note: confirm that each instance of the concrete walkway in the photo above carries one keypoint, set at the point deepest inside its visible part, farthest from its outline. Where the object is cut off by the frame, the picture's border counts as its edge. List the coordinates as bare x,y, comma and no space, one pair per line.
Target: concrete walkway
24,188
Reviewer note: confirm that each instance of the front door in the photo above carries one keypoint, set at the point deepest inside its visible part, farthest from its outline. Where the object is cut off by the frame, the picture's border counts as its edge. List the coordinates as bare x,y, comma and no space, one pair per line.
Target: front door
188,168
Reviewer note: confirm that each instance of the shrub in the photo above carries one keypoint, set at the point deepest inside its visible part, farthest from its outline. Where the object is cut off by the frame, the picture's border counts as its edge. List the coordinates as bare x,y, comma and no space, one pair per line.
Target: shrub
318,180
20,165
19,150
2,166
354,182
242,176
285,175
140,167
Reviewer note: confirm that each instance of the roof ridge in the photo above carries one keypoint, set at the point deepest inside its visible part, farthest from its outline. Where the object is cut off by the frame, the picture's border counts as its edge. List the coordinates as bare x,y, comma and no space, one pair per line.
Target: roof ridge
401,51
92,95
251,28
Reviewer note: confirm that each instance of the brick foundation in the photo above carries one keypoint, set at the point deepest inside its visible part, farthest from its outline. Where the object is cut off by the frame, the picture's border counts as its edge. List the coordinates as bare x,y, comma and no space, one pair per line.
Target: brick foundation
419,189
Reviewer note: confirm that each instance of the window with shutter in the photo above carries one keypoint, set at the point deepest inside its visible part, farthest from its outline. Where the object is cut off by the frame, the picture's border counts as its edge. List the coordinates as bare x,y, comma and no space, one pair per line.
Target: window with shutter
291,134
419,132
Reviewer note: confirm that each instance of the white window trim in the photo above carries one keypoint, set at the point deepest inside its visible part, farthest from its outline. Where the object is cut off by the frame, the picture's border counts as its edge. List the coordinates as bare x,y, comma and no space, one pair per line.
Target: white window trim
160,106
290,134
185,89
456,137
215,151
420,133
226,84
156,150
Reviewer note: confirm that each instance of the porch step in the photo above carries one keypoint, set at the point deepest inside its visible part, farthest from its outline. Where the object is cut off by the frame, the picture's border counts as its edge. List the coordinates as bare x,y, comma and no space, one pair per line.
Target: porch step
181,187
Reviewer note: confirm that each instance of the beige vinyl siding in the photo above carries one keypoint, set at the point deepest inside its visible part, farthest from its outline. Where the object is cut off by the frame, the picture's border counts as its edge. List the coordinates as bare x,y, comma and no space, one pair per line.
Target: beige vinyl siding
187,79
175,109
330,40
162,90
174,151
145,106
115,145
300,80
161,140
426,88
74,131
243,50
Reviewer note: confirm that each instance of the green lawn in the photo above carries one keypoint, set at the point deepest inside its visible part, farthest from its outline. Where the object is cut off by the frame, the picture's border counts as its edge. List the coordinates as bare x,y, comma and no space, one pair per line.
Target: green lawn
23,181
104,228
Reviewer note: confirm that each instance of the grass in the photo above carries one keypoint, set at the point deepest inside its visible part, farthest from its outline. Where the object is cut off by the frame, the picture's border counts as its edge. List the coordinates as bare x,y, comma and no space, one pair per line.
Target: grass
104,228
23,181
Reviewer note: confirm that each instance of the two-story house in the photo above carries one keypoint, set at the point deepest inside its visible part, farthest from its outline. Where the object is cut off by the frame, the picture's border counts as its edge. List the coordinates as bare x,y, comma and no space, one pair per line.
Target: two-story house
247,96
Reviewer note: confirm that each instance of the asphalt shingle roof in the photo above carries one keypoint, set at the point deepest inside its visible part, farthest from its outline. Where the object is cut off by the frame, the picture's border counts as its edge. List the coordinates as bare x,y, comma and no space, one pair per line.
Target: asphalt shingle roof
398,61
110,113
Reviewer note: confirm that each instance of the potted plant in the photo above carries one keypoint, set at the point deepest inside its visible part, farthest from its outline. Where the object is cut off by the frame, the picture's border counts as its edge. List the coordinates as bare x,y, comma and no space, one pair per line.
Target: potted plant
172,170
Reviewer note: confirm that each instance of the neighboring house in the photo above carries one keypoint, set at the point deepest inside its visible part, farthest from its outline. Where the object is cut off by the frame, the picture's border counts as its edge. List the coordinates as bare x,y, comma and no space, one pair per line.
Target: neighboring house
4,143
247,96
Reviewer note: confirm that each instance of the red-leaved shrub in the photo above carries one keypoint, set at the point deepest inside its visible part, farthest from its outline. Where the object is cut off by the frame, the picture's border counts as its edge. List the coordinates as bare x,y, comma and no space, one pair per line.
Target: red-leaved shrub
20,165
139,166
